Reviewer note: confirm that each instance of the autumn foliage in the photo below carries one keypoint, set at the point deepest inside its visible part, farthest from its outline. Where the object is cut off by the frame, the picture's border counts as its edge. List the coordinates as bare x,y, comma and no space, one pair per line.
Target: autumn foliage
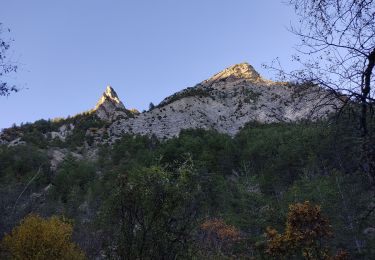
218,236
38,238
306,234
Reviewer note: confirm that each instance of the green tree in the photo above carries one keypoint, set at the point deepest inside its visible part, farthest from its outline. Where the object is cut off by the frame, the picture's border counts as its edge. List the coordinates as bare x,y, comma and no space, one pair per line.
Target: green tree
154,212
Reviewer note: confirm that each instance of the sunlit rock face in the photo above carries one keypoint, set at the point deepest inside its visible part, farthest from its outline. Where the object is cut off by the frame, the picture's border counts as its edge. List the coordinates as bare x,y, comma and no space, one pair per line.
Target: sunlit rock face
110,95
235,72
109,106
226,102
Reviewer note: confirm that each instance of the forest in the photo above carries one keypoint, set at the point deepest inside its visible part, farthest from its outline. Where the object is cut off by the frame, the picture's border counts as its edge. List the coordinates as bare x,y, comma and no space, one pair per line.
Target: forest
283,190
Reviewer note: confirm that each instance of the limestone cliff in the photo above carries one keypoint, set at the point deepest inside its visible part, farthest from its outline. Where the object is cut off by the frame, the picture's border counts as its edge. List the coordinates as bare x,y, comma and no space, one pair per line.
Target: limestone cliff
226,102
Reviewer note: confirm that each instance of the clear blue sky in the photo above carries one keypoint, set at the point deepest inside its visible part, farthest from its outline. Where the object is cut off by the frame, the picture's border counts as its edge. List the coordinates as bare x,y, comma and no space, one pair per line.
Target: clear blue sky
145,49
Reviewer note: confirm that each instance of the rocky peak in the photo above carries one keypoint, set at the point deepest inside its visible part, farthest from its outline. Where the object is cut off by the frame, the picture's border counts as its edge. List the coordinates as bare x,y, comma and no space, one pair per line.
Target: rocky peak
243,71
226,103
110,95
109,106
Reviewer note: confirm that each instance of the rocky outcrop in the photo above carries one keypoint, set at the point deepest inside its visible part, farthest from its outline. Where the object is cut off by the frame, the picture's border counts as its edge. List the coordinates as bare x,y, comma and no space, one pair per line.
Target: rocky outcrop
109,106
58,155
64,131
226,102
15,142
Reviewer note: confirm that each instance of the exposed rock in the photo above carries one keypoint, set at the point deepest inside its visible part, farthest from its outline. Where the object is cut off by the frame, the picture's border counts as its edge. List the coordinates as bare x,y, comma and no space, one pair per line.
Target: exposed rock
58,155
235,72
226,102
109,106
63,133
16,142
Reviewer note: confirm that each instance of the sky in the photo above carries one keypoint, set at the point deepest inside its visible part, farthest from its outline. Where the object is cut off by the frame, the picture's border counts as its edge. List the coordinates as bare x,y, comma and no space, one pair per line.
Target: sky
69,51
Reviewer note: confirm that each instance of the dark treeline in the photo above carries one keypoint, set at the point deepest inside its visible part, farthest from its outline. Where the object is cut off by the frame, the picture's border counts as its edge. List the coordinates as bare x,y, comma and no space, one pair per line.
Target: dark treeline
201,195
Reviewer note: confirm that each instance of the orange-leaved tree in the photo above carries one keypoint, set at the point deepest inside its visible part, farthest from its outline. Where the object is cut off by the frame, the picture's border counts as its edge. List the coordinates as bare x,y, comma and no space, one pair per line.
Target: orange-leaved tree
218,237
306,234
38,238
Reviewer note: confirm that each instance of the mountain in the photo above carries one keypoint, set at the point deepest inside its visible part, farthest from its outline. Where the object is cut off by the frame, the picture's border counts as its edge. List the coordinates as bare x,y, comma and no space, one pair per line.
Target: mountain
209,192
226,102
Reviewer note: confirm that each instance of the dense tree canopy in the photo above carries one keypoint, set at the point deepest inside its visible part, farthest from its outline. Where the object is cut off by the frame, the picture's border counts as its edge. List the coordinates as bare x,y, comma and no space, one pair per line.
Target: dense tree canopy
202,194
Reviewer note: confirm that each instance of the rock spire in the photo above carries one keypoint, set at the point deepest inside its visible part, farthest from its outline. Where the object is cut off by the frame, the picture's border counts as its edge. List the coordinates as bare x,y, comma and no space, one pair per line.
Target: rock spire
109,106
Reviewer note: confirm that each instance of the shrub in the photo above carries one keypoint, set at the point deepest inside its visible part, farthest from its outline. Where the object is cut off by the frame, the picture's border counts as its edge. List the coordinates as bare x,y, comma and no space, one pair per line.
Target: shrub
38,238
306,234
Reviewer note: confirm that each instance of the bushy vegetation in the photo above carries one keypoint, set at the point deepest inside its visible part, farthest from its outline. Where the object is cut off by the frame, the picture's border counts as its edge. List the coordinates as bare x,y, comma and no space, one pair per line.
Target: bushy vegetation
152,213
37,133
206,195
306,234
38,238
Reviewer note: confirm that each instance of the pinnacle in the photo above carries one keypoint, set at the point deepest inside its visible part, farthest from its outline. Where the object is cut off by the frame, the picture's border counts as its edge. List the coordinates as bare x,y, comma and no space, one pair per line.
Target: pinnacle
109,95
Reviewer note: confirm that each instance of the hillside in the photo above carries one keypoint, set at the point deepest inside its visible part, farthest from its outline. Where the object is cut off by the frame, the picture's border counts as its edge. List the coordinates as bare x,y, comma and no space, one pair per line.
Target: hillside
205,174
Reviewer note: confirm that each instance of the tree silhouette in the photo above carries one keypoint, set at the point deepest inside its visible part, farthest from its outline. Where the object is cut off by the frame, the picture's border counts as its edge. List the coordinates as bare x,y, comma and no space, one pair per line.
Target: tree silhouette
338,48
6,65
337,52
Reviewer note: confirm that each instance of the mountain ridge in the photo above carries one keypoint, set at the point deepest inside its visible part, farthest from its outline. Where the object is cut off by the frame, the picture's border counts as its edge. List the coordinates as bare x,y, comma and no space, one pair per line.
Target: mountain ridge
225,102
